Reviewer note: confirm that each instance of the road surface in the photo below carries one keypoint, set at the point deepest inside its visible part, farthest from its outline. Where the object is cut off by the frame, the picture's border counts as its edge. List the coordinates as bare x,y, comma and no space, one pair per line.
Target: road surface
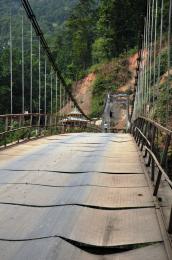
77,197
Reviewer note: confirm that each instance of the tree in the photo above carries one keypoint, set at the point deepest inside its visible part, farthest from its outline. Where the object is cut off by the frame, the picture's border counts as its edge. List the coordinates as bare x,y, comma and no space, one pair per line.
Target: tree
80,26
117,27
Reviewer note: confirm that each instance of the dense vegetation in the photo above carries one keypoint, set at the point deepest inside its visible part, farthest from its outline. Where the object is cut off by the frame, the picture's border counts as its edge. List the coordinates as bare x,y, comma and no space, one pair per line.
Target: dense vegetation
96,32
81,34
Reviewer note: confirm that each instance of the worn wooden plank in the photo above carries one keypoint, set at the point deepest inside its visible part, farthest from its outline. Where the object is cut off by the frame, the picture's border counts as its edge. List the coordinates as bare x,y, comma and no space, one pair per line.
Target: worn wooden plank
119,168
58,157
71,164
146,253
56,248
88,196
74,153
85,225
69,179
117,228
120,160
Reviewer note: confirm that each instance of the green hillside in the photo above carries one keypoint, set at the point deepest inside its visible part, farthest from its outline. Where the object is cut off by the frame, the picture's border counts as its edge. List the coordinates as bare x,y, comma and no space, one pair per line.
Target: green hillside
81,34
52,13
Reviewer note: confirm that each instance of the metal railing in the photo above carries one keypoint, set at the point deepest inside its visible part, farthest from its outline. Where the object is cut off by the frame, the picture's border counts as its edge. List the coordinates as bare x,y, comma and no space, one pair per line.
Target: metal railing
22,127
154,141
16,128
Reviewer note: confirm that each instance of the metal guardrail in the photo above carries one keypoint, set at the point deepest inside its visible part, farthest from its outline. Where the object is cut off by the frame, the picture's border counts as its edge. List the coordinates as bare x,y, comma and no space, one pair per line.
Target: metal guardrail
22,127
144,131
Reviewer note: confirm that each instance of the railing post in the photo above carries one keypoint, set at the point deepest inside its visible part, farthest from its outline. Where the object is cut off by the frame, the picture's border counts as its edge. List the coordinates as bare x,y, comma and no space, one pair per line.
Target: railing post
153,170
152,137
5,141
170,223
20,121
31,119
6,123
57,121
145,133
137,136
157,184
23,120
51,124
29,132
165,152
141,129
45,122
18,138
163,160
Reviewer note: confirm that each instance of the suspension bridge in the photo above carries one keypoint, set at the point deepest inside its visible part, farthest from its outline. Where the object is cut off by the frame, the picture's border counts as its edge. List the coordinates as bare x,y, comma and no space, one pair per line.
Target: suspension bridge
87,194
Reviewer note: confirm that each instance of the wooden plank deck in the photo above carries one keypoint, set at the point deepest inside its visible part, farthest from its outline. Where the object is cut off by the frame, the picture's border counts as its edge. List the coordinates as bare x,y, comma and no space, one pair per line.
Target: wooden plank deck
78,196
104,197
56,248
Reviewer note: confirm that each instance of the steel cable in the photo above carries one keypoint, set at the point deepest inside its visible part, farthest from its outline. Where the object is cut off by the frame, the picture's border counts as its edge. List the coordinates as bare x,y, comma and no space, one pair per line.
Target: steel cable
23,71
169,64
11,64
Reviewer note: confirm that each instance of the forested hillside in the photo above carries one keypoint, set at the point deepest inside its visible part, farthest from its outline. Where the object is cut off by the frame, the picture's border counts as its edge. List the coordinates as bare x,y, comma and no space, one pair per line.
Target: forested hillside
81,34
52,13
51,16
96,32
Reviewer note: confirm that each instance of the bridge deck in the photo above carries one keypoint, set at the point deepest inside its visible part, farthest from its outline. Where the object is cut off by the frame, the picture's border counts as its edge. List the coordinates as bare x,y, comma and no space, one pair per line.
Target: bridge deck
77,196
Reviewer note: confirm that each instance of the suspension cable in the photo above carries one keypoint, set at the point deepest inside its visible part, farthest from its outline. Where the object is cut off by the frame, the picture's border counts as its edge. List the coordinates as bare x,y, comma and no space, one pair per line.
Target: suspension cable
152,28
149,75
51,87
151,50
147,63
160,45
11,64
56,91
145,57
148,21
64,96
23,76
56,87
142,75
46,48
39,92
45,90
60,98
169,63
31,68
155,50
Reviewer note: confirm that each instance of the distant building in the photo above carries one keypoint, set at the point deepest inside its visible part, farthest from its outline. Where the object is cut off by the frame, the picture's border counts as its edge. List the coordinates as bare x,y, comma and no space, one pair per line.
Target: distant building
74,119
